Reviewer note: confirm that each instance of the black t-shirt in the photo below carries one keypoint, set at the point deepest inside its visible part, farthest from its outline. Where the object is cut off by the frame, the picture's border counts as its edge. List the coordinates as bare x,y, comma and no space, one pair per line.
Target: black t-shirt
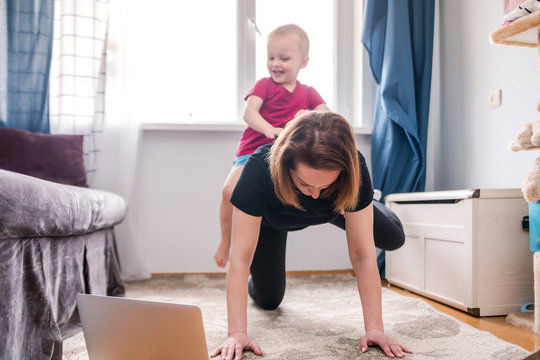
254,194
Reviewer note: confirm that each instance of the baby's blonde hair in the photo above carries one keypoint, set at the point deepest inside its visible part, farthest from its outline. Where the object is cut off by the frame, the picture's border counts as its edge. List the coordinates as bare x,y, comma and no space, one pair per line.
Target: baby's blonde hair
295,30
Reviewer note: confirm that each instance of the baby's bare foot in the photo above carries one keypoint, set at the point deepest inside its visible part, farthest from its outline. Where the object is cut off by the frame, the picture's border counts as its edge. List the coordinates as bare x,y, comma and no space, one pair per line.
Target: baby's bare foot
222,255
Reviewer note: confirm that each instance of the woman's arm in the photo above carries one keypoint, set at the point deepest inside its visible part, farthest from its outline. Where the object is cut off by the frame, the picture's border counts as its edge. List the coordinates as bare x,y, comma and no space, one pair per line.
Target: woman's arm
359,230
245,233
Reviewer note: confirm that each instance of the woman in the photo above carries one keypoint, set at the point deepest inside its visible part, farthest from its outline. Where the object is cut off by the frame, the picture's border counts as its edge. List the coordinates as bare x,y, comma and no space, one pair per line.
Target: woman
311,175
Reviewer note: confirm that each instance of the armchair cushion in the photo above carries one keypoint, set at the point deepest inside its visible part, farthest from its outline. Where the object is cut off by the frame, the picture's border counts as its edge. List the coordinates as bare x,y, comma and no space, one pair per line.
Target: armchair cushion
57,158
31,207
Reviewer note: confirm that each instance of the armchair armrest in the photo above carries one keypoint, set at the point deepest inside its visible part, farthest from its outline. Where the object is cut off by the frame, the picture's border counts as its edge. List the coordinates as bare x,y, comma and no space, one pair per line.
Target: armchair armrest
31,207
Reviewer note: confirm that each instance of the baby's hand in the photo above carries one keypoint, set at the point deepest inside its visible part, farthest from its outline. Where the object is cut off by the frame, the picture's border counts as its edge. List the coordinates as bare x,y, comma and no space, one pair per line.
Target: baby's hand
273,133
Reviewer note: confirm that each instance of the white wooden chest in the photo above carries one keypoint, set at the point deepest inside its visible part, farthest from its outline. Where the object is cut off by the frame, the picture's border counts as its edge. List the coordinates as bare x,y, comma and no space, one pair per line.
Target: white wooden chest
464,248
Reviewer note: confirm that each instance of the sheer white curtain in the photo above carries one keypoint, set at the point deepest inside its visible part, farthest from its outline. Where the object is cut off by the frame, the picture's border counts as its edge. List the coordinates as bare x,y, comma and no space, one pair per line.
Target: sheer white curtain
120,136
77,76
161,57
90,95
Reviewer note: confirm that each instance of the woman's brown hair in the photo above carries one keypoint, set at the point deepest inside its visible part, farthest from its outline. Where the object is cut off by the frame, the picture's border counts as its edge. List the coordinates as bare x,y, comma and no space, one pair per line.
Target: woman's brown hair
320,140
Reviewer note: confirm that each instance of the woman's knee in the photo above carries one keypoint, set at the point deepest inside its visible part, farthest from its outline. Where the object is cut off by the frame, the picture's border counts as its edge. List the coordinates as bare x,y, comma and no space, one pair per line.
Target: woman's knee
387,228
268,304
393,239
266,300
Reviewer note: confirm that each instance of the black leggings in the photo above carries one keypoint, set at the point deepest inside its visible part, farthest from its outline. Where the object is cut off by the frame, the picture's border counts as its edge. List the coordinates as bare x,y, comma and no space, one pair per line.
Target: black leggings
267,281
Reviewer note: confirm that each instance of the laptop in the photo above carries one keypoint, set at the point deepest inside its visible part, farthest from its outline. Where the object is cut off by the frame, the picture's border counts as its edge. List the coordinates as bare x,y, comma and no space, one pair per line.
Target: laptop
120,328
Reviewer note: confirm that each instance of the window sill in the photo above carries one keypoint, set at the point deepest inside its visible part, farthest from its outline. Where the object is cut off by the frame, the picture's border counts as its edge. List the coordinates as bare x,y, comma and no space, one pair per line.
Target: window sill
358,130
193,127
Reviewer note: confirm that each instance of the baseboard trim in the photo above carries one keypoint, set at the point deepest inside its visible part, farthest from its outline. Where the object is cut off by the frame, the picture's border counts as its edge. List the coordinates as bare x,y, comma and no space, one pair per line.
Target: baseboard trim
289,273
319,272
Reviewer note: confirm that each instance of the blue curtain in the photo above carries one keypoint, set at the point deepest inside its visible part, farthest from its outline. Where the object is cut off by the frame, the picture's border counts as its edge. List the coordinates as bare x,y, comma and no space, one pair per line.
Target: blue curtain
24,102
398,35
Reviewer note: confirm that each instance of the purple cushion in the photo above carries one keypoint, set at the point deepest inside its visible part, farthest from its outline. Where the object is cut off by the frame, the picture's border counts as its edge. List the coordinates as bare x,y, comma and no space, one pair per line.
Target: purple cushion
57,158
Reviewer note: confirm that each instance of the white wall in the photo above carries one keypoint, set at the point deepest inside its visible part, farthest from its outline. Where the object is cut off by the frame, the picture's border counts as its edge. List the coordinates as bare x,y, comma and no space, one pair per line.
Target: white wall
180,173
176,205
473,137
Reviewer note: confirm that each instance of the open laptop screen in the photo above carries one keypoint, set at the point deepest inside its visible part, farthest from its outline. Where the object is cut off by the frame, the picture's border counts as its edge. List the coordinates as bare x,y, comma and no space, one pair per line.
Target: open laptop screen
120,328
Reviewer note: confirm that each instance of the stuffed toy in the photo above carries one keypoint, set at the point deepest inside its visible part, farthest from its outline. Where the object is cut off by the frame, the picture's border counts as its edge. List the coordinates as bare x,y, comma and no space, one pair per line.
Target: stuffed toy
531,183
516,9
528,137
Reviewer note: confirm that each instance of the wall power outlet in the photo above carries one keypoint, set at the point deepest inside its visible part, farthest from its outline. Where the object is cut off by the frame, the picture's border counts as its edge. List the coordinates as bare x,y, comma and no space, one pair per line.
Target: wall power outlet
495,98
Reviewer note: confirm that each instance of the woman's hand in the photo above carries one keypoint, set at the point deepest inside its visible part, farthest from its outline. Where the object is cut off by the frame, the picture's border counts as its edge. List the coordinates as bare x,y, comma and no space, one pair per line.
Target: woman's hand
234,345
300,113
390,346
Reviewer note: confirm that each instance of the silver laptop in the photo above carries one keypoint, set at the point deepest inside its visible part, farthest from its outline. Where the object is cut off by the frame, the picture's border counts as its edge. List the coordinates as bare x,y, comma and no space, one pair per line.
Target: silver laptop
120,328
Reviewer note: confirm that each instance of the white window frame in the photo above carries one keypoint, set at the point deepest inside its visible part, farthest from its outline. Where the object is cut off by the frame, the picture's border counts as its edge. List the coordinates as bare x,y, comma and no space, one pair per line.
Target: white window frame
353,92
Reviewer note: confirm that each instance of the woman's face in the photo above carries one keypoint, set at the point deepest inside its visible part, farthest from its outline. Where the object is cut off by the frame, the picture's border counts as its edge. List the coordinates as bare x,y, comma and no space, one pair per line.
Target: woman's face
312,181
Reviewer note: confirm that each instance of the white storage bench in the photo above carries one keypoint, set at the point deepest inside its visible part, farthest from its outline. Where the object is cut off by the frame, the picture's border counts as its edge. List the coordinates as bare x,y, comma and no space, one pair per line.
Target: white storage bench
464,248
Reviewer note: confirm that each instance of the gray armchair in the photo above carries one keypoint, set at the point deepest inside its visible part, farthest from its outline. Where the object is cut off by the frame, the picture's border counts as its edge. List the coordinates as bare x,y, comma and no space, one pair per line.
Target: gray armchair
56,240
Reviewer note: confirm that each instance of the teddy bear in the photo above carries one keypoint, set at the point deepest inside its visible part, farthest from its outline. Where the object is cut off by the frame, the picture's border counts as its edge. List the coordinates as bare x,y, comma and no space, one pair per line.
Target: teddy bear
528,137
531,183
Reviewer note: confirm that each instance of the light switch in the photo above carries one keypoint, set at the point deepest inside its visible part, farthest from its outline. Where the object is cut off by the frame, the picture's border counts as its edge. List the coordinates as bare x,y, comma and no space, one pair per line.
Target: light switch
495,98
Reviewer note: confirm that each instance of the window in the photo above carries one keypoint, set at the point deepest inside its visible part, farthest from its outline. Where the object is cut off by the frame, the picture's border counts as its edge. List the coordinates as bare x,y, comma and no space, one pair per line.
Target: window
182,55
195,60
336,61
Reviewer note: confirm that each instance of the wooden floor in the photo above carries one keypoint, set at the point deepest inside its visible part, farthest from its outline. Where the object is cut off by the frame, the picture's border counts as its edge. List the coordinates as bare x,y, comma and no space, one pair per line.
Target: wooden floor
494,324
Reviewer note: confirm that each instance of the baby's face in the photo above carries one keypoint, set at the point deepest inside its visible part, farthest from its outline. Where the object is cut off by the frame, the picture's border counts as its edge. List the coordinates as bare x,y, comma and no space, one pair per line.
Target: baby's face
285,59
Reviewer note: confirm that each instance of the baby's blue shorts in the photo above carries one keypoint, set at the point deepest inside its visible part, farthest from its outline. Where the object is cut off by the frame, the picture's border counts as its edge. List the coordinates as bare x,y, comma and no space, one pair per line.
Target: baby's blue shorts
241,160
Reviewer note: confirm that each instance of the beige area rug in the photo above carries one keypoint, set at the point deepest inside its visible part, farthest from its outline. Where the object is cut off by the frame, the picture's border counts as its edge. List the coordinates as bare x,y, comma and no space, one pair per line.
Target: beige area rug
321,318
